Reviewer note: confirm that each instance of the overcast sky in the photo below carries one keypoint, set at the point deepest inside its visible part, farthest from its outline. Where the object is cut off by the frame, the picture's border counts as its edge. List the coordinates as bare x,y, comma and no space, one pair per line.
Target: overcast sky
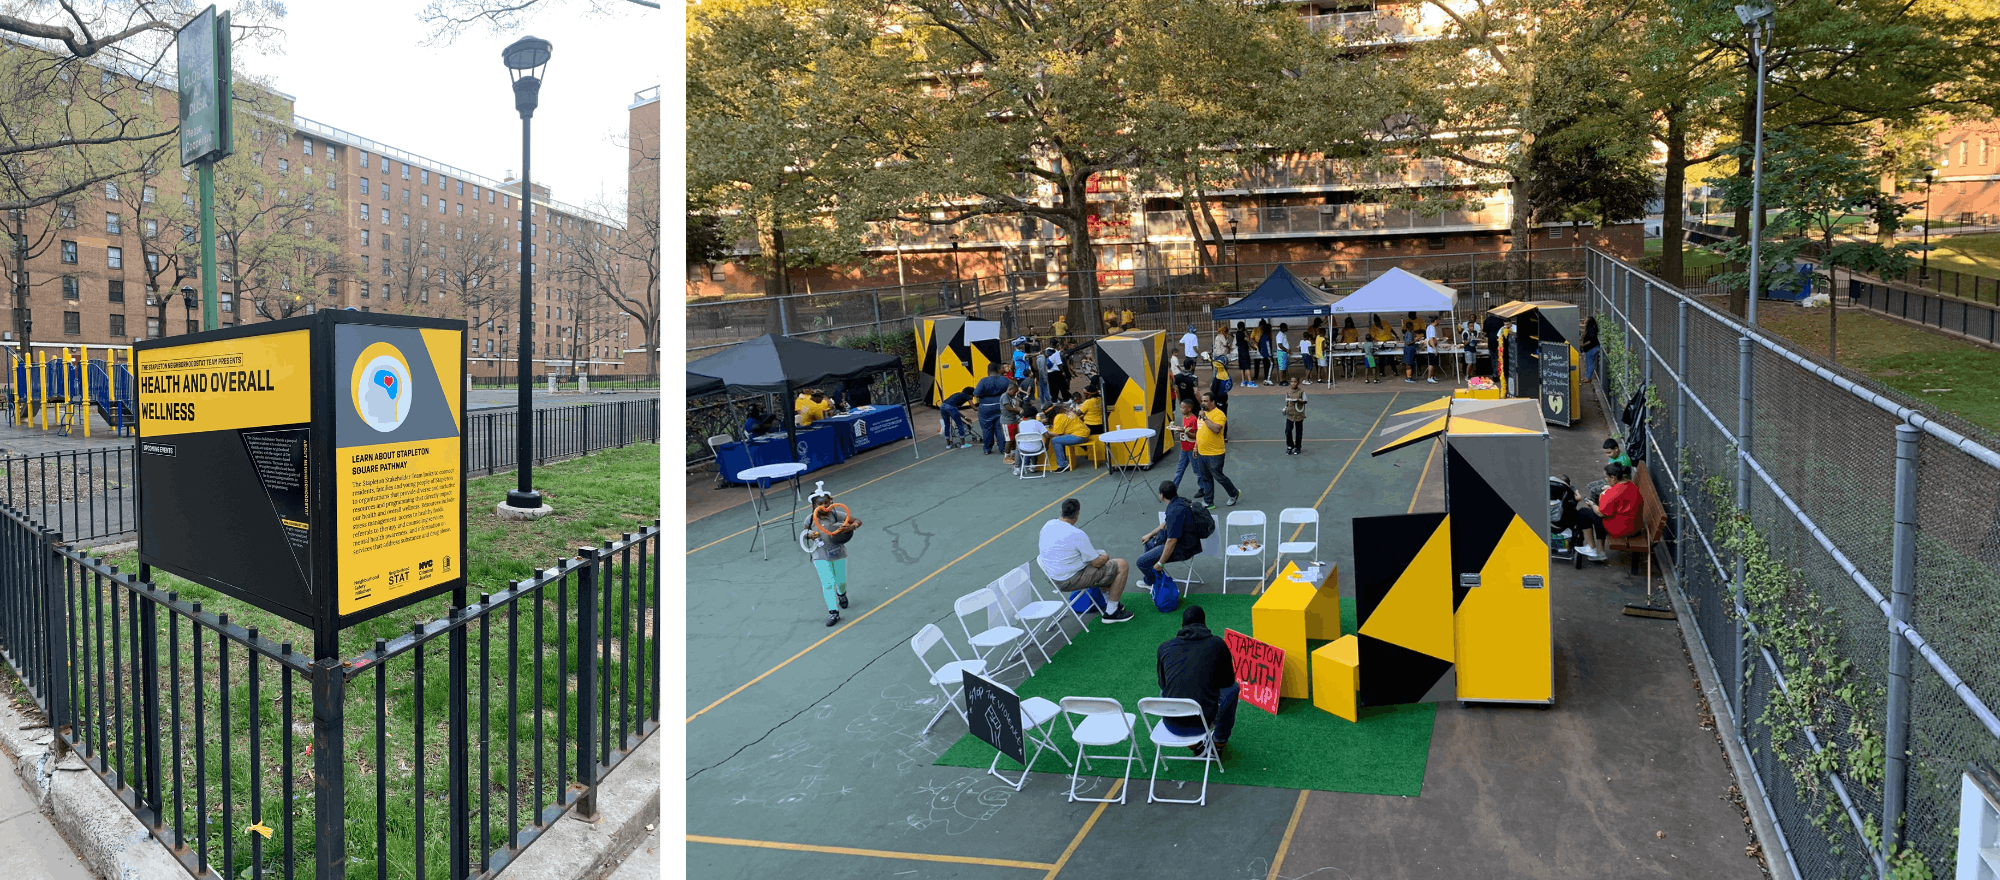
358,65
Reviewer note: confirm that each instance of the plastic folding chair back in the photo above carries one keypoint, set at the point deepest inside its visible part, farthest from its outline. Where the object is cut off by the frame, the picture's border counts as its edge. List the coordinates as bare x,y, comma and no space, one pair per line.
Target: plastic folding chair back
1232,532
947,675
1061,596
1031,456
1042,618
1105,723
1297,516
1155,711
991,643
1211,548
1036,713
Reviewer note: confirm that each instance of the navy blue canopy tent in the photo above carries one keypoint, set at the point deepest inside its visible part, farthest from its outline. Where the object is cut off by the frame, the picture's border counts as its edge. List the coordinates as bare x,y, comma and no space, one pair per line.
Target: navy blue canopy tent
1282,295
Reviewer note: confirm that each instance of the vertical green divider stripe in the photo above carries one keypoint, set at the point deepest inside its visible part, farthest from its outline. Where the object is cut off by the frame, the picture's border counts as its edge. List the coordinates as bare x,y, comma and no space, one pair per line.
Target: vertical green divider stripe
673,421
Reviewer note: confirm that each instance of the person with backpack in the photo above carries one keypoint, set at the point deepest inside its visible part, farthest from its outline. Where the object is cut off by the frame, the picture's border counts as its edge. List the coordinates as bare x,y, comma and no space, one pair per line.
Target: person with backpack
1196,665
1177,539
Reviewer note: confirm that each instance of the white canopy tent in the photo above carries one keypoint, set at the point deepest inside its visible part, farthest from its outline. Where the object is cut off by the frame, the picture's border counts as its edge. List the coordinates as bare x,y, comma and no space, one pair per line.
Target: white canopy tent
1400,291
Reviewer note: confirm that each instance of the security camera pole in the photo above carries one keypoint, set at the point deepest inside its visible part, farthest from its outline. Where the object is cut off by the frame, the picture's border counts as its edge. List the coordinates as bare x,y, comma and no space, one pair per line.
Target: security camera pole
202,50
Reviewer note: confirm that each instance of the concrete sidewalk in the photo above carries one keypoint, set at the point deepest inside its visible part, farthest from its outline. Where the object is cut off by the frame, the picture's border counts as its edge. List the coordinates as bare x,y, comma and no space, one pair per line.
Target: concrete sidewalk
29,845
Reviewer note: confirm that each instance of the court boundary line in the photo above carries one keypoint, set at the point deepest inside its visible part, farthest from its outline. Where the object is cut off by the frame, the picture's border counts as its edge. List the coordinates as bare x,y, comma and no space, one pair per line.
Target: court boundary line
1285,843
1081,833
906,591
1425,478
871,853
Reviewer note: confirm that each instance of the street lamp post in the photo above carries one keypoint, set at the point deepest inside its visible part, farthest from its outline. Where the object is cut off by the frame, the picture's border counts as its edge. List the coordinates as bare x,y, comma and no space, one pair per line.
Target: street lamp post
1757,19
1235,269
526,59
1924,274
957,280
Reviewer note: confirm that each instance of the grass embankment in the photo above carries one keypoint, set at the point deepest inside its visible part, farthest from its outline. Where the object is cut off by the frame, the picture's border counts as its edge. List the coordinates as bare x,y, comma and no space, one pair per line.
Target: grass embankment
1955,376
597,497
1972,254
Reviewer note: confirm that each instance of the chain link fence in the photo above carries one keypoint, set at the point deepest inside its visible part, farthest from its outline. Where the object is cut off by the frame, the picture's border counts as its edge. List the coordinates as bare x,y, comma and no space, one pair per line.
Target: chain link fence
1854,627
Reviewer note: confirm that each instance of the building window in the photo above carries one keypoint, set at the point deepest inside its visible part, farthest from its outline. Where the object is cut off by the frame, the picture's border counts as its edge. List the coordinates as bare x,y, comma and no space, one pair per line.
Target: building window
715,272
364,186
187,200
114,258
70,288
364,158
406,222
426,201
117,326
406,171
69,252
426,178
440,205
146,194
461,187
66,216
152,229
330,182
364,238
284,165
385,292
364,262
327,150
152,262
227,304
152,328
364,215
187,235
117,291
111,191
72,323
111,225
308,144
194,327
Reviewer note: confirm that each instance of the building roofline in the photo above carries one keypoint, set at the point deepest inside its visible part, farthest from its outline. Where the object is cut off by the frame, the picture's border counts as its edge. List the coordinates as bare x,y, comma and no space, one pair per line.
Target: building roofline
642,97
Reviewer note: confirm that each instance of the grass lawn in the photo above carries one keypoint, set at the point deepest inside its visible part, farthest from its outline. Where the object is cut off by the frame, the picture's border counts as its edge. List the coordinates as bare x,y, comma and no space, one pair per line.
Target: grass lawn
1973,254
597,497
1955,376
1300,747
1691,257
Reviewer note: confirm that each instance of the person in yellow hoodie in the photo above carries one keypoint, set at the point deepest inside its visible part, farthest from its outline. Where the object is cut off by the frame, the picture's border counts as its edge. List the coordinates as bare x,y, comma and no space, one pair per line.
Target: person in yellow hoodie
813,406
1068,430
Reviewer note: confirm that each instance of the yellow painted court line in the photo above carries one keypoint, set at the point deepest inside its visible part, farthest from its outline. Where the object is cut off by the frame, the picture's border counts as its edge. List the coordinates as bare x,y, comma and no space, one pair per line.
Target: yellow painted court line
1296,532
906,591
871,853
775,519
1422,479
1081,833
1284,844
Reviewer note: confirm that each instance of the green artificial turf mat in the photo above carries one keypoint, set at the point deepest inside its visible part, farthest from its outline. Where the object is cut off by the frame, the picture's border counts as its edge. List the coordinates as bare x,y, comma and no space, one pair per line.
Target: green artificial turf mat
1300,747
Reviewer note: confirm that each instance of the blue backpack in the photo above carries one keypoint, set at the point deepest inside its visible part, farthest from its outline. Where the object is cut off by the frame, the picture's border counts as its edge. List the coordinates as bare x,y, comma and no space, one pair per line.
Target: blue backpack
1084,601
1166,594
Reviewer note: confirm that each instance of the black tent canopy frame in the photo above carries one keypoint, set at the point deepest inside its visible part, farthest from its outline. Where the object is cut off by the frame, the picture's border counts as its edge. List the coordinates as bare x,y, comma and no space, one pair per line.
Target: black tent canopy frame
774,364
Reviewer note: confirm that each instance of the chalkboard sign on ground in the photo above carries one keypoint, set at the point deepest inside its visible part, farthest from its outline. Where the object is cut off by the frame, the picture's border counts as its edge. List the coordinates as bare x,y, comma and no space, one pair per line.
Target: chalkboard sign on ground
994,713
1558,405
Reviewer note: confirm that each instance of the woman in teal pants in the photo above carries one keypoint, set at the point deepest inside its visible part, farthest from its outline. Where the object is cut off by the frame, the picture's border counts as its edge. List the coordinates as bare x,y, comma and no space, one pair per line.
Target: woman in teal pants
833,525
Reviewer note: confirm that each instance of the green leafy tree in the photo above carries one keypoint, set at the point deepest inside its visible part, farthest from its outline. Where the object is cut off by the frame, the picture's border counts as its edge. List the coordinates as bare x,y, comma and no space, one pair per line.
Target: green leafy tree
1811,188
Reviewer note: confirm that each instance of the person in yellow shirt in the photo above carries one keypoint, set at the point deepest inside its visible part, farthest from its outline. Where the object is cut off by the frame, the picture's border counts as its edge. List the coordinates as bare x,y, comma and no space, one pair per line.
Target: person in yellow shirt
1379,331
1059,329
1209,449
814,407
1125,319
1093,410
1110,321
1068,430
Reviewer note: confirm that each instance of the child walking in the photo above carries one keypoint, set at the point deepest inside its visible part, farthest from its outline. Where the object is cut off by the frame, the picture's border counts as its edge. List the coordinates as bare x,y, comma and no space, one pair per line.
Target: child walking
833,525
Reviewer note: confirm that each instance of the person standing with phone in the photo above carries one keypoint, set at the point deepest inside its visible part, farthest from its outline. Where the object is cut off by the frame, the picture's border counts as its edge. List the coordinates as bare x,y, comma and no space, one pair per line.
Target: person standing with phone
1295,419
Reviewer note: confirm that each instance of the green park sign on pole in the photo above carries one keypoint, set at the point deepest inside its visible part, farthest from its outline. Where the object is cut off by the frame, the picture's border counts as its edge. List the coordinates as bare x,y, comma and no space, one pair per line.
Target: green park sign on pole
207,121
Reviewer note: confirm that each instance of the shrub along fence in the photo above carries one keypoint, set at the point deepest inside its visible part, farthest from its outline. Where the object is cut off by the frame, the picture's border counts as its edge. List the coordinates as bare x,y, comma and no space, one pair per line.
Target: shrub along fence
443,751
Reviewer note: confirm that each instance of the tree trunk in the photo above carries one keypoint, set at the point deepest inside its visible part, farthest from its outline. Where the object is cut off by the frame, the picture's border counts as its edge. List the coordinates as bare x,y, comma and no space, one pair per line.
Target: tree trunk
777,282
1520,227
1832,310
1673,222
1192,198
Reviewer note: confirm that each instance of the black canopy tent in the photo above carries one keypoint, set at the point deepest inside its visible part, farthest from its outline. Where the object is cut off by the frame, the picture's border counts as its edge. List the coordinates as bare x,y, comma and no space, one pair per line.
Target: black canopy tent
782,365
702,386
1282,295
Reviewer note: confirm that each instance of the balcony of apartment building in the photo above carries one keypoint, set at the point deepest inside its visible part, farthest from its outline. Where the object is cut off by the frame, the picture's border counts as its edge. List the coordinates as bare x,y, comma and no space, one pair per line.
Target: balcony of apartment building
1384,24
1357,219
1337,175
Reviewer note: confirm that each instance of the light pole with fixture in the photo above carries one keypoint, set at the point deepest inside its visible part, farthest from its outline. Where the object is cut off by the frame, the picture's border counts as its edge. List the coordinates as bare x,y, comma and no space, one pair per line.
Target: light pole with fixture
1924,274
526,59
1235,270
1757,20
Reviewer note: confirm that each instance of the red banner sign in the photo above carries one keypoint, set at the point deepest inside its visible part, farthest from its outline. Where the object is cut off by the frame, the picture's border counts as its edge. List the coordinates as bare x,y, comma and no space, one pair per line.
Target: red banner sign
1260,667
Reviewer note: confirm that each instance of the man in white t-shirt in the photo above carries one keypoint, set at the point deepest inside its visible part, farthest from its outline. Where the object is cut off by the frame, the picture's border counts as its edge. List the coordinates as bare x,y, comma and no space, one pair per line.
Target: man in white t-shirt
1431,351
1069,560
1190,344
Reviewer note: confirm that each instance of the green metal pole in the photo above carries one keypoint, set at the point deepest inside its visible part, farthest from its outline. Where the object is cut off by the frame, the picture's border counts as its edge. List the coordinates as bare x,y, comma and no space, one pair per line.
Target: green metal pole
211,318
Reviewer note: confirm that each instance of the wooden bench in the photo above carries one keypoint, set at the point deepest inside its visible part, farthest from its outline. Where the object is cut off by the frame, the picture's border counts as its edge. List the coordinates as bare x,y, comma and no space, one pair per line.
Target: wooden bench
1653,519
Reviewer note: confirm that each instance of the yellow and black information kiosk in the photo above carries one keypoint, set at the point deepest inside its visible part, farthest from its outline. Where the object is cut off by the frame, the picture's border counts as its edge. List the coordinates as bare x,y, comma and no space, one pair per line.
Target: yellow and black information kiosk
313,467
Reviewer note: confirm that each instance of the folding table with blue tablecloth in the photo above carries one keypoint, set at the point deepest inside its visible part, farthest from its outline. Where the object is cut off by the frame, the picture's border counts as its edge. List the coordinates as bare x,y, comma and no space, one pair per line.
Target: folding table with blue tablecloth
865,429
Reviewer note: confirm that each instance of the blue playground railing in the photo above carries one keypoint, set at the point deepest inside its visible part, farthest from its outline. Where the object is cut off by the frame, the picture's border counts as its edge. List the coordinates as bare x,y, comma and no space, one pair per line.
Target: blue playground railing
36,384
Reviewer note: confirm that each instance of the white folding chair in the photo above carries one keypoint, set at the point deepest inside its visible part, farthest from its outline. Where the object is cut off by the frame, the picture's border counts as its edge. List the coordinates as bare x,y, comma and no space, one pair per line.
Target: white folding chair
1042,618
1155,711
1035,711
1211,548
1031,450
1105,723
991,641
947,676
1064,598
1234,548
1297,516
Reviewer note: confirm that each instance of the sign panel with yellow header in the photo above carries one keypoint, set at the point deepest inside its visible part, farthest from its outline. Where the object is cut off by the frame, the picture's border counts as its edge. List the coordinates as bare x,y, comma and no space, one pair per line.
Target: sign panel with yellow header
313,467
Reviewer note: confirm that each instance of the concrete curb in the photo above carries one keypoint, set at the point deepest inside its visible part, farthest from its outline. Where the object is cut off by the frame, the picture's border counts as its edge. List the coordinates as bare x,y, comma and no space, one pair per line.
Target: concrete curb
628,810
105,835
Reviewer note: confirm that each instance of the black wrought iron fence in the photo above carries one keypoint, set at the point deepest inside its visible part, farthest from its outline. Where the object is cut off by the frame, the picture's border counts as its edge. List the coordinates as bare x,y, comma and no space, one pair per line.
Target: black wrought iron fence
210,732
561,432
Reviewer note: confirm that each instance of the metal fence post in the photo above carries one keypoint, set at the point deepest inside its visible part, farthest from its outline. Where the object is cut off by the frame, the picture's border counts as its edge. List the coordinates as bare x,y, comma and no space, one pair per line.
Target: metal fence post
457,742
1902,578
621,423
586,685
1648,332
1744,393
55,683
329,689
1680,434
875,296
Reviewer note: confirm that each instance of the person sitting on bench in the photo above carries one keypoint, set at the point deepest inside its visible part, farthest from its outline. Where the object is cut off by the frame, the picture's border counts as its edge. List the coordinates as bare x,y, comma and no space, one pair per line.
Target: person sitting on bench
1615,514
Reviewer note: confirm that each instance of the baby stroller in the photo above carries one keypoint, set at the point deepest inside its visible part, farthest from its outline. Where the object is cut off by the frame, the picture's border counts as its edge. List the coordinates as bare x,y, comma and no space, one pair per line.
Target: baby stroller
1565,528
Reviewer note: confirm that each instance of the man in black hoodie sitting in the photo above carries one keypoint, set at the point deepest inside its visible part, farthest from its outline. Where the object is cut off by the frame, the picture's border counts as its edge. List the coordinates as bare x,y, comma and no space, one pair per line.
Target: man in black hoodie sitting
1195,665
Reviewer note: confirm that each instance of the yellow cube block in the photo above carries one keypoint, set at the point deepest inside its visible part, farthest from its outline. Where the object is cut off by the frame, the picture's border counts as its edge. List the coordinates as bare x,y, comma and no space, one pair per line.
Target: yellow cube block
1291,611
1336,672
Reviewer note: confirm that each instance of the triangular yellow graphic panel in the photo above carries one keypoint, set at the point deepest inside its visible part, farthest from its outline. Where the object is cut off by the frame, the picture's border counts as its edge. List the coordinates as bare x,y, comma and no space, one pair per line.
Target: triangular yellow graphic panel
1461,426
1437,405
1416,613
1425,431
1504,647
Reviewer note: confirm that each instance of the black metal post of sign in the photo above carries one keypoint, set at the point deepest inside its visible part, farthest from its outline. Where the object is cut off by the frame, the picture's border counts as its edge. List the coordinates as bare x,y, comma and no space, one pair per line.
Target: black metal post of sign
526,59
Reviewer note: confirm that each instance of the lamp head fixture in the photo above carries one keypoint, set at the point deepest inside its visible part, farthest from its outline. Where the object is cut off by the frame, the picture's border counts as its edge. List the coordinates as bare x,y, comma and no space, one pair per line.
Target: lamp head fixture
1753,14
526,59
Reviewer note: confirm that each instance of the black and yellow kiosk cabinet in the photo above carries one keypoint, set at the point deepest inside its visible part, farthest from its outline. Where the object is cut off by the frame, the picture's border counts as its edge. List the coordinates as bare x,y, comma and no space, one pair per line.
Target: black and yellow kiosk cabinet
313,467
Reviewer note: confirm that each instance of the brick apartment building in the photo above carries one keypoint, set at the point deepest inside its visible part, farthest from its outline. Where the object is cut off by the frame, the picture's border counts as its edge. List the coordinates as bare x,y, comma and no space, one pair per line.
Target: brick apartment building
356,223
1966,186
